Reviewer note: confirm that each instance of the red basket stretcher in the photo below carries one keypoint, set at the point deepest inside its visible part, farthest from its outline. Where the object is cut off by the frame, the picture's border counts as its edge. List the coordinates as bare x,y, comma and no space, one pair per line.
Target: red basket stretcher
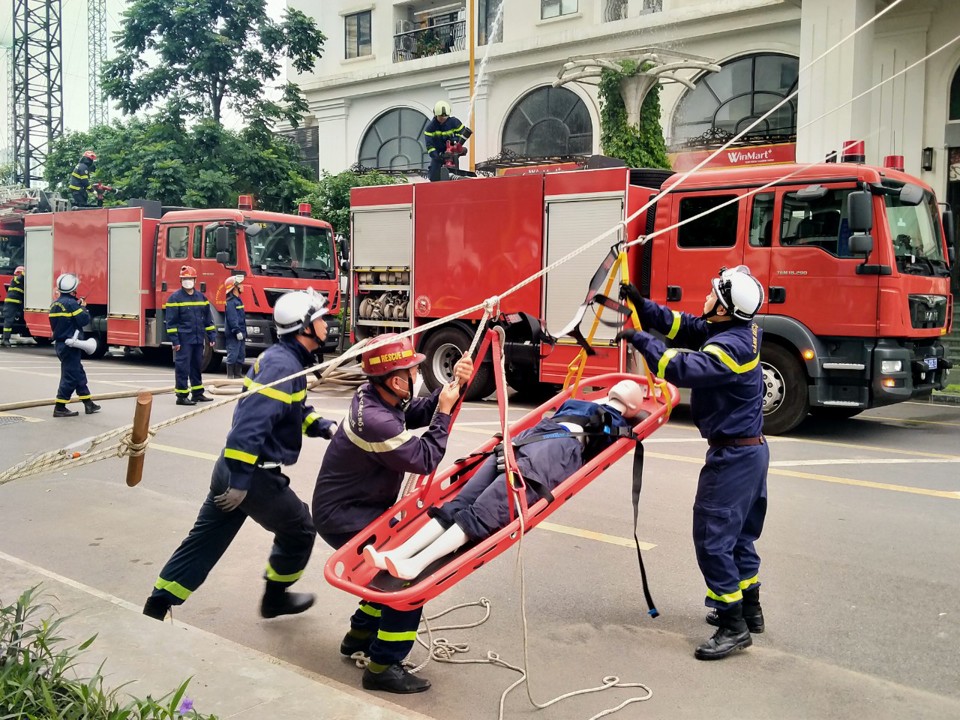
347,569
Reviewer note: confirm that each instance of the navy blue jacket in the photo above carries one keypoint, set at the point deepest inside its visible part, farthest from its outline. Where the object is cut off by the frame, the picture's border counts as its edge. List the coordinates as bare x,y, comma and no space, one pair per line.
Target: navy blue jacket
80,177
15,291
235,317
269,423
436,134
362,471
188,319
720,362
67,316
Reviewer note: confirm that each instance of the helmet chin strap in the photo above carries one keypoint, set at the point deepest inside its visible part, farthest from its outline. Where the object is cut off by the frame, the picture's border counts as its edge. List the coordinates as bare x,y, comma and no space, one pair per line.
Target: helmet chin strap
402,402
712,313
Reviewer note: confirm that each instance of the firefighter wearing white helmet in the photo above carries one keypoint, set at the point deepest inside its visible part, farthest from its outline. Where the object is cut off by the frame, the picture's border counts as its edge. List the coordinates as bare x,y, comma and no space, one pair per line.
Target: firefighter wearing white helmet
68,316
248,478
442,129
717,355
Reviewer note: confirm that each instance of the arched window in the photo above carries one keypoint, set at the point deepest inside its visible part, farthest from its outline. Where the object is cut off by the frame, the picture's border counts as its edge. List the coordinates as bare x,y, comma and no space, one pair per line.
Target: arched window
724,103
395,141
955,96
547,122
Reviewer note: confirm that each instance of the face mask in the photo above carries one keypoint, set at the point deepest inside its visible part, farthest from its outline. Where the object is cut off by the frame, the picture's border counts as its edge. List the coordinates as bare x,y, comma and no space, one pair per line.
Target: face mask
418,386
187,284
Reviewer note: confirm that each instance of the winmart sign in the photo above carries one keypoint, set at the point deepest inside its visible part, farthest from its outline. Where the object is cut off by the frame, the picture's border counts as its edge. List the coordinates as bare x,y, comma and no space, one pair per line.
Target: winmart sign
736,157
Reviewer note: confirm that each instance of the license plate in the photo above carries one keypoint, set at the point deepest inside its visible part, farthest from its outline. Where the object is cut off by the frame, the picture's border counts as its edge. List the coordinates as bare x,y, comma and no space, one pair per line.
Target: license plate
931,362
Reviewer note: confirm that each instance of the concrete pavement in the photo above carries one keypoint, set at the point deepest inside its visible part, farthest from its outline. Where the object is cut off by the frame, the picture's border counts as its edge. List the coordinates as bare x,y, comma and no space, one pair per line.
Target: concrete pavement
152,658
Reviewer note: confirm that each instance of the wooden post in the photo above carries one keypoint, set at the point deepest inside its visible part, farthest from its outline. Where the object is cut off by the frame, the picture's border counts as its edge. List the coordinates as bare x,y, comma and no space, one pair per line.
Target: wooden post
141,423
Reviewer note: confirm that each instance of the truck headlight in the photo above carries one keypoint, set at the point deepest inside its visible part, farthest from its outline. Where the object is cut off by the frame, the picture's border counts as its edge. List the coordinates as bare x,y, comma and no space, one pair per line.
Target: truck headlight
255,330
888,367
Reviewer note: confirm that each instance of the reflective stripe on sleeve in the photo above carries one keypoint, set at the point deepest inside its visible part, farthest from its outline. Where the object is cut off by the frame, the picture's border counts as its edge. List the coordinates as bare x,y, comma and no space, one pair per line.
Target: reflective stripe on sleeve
244,457
273,393
729,361
665,359
67,314
310,420
382,446
675,327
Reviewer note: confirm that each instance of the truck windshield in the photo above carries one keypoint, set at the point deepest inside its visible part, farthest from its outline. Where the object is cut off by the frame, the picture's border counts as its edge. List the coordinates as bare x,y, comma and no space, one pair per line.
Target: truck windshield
11,254
284,250
915,230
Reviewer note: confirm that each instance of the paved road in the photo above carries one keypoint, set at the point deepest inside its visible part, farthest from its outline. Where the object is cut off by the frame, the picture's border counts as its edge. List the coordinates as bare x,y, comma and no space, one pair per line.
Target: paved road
860,570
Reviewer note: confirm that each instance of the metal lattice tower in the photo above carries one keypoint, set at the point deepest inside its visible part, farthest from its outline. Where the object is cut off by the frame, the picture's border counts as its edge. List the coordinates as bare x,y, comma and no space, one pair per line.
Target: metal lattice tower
37,85
97,49
7,155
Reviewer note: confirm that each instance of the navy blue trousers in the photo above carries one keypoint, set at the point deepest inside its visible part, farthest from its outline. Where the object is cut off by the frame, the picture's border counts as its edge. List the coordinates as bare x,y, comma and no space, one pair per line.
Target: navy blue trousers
236,351
396,629
186,369
271,504
72,376
11,313
728,516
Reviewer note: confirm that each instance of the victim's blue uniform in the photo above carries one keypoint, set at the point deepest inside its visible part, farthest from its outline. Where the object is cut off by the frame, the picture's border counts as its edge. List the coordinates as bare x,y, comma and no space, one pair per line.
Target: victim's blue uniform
267,430
721,365
67,316
235,322
190,325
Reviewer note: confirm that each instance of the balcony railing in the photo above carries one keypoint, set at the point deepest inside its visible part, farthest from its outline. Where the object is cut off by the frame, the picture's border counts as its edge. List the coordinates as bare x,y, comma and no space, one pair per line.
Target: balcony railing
433,40
614,10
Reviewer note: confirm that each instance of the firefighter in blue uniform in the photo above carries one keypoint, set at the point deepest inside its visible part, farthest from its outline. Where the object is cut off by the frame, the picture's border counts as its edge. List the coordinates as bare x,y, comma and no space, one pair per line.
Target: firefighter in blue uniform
266,434
79,182
13,304
442,128
722,368
235,326
189,327
68,317
360,478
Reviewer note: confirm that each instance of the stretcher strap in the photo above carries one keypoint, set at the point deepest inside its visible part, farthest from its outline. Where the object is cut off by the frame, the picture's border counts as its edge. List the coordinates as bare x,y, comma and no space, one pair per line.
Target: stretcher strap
637,487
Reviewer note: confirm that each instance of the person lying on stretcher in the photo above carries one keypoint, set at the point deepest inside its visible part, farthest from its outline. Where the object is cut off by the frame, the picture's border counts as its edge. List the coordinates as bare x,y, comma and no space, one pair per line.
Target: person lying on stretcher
546,455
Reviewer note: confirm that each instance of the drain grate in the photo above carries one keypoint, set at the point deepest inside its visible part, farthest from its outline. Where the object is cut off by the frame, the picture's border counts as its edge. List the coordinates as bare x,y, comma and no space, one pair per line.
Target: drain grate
11,419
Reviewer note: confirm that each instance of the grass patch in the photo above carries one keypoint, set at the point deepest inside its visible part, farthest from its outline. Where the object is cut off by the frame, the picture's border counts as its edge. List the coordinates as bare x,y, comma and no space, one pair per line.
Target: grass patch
38,677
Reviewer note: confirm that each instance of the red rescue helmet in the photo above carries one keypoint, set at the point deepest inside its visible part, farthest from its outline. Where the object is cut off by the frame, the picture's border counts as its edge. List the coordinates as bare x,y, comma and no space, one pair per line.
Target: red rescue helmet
391,353
91,155
19,270
188,272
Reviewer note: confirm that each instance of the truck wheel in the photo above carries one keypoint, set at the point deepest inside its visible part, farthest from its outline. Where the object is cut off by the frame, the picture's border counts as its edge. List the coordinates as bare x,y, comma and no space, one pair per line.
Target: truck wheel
211,360
785,400
443,348
42,341
102,346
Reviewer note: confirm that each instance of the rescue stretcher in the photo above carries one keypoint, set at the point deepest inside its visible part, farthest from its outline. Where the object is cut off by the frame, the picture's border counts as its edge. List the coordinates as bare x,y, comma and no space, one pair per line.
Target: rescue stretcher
347,569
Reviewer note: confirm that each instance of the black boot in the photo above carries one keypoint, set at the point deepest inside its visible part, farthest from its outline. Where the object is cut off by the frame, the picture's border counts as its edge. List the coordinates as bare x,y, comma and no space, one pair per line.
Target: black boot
61,410
156,607
200,397
184,400
352,644
238,371
230,374
396,679
90,407
277,601
732,634
752,612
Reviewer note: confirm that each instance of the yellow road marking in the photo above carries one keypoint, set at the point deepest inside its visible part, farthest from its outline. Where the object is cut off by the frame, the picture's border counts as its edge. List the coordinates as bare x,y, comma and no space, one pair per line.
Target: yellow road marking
184,451
591,535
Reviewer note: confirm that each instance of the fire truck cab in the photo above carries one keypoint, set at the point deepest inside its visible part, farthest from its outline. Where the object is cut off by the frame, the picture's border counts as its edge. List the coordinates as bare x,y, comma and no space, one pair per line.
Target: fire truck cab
853,260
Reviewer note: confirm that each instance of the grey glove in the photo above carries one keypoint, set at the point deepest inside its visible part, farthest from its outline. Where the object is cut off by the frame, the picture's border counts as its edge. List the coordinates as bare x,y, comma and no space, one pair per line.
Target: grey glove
230,500
239,336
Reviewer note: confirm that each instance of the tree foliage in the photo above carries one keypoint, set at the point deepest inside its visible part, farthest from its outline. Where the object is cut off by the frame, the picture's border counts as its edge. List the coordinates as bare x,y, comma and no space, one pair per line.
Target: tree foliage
204,165
193,56
331,198
641,146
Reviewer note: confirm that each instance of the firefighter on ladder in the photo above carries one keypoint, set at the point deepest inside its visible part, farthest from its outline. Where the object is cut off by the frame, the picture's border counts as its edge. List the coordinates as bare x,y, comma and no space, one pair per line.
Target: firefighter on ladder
360,478
443,128
726,401
79,182
235,326
68,317
13,304
189,328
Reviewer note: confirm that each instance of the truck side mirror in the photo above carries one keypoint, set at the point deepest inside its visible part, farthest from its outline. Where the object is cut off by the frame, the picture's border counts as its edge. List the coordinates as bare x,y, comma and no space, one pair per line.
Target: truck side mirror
222,239
911,194
861,244
344,265
223,257
860,211
343,248
950,231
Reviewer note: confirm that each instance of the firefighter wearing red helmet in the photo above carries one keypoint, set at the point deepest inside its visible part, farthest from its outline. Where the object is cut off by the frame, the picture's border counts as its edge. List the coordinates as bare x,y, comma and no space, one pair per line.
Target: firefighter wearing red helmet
721,365
190,328
13,304
360,478
79,181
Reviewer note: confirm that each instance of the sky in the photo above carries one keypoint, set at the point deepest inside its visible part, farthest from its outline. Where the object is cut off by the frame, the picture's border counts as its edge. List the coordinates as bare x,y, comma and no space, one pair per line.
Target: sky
74,61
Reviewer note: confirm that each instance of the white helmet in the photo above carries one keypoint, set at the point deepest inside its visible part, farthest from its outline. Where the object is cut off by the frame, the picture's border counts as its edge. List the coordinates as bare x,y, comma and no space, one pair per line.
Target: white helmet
67,283
627,397
297,310
441,108
739,292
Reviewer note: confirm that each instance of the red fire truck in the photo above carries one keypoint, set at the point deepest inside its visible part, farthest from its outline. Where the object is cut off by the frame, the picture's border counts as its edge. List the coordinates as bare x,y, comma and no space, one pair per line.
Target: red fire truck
853,258
128,260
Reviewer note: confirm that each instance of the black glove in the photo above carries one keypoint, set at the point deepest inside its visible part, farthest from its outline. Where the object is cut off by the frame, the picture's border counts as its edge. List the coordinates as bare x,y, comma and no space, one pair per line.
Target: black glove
627,334
631,293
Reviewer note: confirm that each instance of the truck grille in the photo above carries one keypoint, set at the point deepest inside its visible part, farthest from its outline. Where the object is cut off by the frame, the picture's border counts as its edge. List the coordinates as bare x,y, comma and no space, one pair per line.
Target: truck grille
928,311
274,295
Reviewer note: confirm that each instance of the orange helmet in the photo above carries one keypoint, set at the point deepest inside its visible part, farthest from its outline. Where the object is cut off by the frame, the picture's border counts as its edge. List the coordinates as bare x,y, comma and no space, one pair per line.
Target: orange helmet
391,353
188,272
91,155
19,270
231,281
